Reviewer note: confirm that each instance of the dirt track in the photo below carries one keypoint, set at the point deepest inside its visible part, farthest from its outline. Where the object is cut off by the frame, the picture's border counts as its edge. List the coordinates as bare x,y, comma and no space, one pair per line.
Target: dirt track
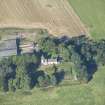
55,15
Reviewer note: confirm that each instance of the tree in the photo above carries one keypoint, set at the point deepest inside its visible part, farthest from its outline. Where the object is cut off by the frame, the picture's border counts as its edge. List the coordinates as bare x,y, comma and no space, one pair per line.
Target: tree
44,81
40,81
26,67
48,46
79,68
64,53
6,72
12,85
53,80
23,77
100,57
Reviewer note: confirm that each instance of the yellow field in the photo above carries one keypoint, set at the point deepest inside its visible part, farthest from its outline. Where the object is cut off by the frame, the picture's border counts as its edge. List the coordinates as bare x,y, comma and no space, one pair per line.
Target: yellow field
55,15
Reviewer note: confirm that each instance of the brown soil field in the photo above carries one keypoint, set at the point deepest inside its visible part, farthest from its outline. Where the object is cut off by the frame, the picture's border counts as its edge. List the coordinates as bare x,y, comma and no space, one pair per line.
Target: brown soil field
57,16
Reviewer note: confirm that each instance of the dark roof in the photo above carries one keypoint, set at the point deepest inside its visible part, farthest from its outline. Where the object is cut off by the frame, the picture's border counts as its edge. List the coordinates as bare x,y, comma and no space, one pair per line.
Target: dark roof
8,45
8,48
7,53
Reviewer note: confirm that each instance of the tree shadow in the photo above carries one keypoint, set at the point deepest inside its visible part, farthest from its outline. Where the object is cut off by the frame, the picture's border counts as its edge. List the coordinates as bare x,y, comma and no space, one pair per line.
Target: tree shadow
10,75
34,77
91,69
18,43
33,73
59,76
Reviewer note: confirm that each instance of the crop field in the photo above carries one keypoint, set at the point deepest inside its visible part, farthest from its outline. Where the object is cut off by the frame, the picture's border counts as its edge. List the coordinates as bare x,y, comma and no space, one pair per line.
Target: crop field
92,14
57,16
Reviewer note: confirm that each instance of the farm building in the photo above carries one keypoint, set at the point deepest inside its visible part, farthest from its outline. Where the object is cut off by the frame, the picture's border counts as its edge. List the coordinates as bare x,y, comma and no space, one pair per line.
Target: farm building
8,48
17,46
27,47
49,61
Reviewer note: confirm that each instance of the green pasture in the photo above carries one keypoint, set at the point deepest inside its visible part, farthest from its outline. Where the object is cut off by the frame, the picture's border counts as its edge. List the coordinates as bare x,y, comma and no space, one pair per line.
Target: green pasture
92,14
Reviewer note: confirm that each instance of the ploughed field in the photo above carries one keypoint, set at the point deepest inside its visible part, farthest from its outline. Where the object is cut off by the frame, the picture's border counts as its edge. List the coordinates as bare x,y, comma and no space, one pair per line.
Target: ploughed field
57,16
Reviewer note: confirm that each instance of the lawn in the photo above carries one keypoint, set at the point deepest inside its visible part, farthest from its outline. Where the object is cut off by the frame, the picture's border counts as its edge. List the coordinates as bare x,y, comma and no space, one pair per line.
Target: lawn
92,93
92,13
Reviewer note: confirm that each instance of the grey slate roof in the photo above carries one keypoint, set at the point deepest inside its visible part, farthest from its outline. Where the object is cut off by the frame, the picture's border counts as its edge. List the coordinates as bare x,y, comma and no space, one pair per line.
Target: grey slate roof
8,48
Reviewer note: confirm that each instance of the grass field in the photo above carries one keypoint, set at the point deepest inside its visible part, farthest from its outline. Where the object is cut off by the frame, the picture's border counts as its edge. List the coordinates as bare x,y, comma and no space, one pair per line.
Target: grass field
55,15
86,94
92,13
